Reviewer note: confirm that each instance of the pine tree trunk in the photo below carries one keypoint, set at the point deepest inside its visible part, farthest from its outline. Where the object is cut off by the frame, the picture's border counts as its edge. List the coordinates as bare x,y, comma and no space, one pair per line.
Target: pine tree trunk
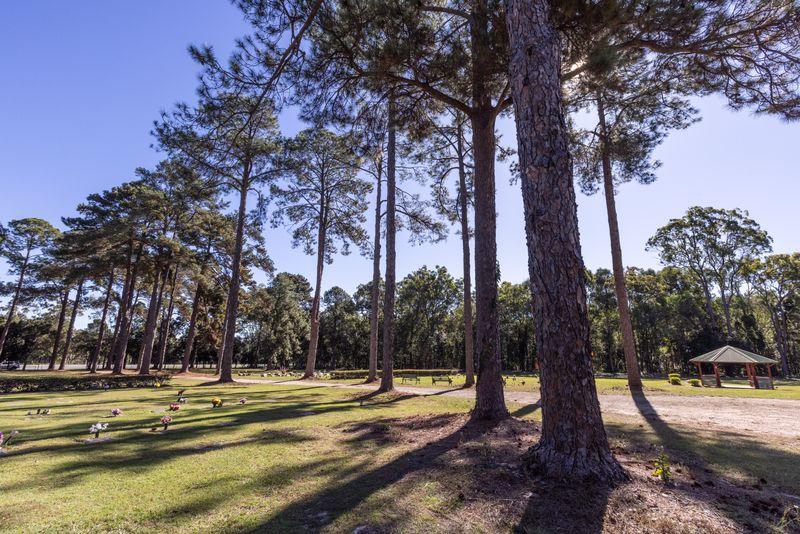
101,327
313,341
573,444
376,284
489,398
134,305
62,315
14,301
166,322
126,305
192,330
153,307
387,378
71,327
623,306
469,352
226,364
110,353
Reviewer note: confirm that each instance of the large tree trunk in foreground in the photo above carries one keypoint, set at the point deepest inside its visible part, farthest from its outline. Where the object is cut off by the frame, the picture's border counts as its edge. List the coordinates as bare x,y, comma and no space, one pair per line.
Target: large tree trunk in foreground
62,315
623,306
101,327
469,353
229,337
14,301
573,443
187,352
156,294
387,378
71,327
376,284
489,399
313,340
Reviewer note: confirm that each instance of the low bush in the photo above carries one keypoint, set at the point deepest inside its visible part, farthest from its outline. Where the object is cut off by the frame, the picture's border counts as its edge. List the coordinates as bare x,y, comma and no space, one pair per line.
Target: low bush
362,373
675,380
695,382
48,382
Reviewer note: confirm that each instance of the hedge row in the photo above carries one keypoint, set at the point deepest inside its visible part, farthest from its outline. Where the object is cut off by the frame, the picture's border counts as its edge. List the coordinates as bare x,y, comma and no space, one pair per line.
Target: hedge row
363,373
28,383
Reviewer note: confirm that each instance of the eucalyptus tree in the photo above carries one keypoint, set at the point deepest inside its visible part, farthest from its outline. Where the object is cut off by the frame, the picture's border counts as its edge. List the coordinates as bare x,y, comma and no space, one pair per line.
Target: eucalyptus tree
636,103
776,280
23,242
323,200
716,246
746,50
231,138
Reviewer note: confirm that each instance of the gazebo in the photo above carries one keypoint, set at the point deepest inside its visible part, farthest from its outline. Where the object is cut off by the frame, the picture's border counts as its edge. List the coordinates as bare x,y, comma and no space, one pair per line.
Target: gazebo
732,355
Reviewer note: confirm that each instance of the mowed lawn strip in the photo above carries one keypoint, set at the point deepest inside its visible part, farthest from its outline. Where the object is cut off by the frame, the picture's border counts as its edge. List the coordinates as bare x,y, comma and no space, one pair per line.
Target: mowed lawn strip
306,458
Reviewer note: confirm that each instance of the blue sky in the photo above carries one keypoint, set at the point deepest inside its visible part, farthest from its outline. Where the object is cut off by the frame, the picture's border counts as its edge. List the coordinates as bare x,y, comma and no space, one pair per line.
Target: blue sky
82,82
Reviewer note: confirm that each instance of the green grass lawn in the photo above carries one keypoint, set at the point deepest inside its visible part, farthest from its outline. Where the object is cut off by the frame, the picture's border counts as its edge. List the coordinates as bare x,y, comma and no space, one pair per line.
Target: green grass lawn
784,389
304,458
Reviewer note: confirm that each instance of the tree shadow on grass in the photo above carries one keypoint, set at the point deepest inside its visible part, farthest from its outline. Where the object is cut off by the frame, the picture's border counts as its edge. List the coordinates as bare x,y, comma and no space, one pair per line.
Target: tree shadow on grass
337,500
730,451
527,409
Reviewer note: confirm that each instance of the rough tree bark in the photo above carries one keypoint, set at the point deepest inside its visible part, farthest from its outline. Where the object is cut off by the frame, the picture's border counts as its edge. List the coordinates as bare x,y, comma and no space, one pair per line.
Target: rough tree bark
469,352
153,307
573,444
489,399
14,300
101,327
226,364
71,327
387,379
623,306
187,352
311,359
376,282
166,322
126,306
62,315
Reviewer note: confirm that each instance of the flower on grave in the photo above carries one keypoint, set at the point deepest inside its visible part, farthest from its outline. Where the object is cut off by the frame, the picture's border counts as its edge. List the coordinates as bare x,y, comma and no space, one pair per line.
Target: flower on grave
216,402
6,440
174,407
182,400
97,428
157,385
166,420
181,392
243,400
116,412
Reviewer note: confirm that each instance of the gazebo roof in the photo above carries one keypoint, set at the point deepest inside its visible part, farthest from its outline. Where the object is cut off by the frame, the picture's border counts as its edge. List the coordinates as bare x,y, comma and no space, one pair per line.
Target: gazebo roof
728,354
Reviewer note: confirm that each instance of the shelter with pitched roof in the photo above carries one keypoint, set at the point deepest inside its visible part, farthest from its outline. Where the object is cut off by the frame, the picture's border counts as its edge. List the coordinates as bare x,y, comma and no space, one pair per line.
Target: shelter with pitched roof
733,355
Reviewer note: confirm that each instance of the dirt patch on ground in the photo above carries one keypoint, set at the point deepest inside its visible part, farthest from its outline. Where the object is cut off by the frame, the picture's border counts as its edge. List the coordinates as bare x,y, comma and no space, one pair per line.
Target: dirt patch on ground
480,485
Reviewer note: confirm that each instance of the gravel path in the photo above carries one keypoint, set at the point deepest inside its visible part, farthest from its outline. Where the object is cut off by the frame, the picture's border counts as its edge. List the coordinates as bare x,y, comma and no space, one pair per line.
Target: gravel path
776,417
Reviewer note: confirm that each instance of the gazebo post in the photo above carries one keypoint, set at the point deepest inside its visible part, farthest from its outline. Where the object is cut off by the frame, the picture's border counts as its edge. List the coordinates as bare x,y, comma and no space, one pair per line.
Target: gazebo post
755,377
700,372
769,374
716,374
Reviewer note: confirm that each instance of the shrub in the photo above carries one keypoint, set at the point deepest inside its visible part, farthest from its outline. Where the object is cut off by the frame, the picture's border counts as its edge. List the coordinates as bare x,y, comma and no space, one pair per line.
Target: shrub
675,380
48,382
663,470
363,373
695,382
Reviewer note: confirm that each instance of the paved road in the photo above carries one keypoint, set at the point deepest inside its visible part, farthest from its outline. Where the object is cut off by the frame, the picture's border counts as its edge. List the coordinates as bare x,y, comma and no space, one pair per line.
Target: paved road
777,417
